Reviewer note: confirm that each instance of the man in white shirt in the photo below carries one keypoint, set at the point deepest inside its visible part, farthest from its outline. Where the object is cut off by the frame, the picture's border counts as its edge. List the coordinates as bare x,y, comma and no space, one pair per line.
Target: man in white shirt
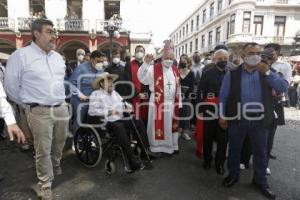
7,114
105,101
34,77
284,69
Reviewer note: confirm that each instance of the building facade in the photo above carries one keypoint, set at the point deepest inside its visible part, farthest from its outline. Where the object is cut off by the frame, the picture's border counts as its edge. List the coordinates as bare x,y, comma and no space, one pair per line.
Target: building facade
79,24
236,22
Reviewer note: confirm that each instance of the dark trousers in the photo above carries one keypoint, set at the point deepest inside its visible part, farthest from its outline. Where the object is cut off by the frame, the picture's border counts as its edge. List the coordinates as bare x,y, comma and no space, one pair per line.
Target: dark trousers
271,136
246,151
2,126
121,130
212,131
258,136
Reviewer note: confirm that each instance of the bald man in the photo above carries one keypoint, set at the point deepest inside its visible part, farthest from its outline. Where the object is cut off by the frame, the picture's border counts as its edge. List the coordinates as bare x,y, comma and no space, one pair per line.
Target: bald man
208,92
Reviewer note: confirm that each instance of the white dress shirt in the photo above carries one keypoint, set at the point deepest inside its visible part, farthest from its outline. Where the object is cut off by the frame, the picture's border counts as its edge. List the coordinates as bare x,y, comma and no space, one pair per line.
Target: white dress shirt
284,68
101,102
6,111
33,76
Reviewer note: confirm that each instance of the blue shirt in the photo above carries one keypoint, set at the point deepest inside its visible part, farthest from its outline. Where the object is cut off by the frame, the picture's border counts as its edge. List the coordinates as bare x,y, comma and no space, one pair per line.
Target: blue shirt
81,80
251,91
34,76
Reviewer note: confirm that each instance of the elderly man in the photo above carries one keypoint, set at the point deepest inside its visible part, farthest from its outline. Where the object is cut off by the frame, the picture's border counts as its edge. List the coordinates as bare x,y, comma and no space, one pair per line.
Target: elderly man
35,78
208,91
163,81
106,102
246,103
81,80
80,55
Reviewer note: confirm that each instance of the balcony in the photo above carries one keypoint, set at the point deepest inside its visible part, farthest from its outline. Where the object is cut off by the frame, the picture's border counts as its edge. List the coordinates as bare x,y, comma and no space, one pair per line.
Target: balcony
100,24
24,24
240,38
281,1
7,23
73,25
262,40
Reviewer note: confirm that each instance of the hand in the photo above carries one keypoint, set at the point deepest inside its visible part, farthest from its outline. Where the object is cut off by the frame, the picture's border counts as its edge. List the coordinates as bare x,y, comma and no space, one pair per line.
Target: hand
262,67
223,123
148,59
142,95
83,97
15,132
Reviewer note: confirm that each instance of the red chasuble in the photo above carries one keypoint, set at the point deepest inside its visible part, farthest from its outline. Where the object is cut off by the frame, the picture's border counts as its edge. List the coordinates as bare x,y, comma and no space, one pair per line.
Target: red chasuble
199,131
140,110
159,101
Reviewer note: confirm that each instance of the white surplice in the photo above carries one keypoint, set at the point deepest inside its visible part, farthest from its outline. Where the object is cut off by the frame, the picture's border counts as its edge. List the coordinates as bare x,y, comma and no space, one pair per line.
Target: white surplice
146,77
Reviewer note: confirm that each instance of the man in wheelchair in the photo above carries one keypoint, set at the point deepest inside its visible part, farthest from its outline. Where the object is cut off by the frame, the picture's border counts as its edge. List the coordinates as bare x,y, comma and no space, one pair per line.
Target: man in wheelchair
106,102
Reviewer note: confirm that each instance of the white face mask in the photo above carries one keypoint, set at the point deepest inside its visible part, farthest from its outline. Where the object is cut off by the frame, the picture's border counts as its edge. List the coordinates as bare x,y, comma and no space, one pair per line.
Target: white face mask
252,60
167,63
105,64
139,55
99,66
80,58
116,60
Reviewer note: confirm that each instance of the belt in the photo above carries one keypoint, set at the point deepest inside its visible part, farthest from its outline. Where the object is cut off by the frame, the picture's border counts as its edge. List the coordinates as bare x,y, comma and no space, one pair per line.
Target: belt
250,114
33,105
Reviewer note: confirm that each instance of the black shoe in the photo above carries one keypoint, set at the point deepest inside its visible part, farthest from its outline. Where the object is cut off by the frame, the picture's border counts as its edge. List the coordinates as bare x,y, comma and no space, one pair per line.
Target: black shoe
265,190
229,181
153,154
176,152
148,165
272,157
206,165
220,169
136,165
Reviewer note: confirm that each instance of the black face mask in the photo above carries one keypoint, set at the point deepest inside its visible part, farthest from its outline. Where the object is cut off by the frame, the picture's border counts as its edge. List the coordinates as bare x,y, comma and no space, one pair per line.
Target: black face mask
222,64
197,59
182,65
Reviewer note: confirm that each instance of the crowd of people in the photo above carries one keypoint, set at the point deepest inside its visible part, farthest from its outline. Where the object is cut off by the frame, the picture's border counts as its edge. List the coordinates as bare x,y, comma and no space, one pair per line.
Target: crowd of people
237,106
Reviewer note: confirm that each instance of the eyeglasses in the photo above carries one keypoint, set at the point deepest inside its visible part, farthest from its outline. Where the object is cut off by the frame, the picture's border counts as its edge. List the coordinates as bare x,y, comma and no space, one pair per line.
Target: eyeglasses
52,33
80,54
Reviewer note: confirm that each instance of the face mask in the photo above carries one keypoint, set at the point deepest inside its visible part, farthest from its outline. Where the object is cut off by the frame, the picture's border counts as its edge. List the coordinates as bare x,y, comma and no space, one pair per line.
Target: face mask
252,60
105,64
99,66
80,58
167,63
182,65
116,60
139,55
222,64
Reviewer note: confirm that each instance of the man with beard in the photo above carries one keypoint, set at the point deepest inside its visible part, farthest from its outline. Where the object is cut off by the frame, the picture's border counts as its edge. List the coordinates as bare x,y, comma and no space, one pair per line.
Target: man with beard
208,92
35,78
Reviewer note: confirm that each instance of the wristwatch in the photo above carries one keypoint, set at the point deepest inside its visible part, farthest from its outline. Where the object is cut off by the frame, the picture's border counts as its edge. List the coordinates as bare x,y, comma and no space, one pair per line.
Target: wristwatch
268,73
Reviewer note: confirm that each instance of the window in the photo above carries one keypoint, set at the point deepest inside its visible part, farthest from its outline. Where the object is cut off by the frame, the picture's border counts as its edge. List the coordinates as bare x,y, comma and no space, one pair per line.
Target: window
3,9
187,29
192,25
204,16
229,2
220,2
203,41
218,35
212,8
197,22
280,26
228,30
232,23
196,44
186,47
210,38
183,31
110,8
180,34
258,25
179,52
182,52
246,22
191,46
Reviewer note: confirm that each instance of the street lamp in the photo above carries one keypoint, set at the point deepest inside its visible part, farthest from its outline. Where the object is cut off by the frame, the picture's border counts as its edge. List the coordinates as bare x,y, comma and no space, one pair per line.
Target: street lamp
111,29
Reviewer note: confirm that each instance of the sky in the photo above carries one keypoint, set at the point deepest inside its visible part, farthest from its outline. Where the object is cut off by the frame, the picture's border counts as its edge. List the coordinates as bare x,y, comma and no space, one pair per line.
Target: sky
160,16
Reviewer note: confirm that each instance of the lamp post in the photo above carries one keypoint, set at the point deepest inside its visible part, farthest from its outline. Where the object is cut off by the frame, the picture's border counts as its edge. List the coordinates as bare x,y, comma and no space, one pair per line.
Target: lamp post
111,29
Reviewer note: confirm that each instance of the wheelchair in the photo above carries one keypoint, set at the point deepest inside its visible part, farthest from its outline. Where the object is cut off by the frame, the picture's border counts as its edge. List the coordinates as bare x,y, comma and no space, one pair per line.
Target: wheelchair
92,142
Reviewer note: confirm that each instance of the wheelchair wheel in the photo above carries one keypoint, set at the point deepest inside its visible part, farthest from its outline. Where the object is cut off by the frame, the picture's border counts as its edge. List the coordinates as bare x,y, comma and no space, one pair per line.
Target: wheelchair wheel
88,146
110,167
